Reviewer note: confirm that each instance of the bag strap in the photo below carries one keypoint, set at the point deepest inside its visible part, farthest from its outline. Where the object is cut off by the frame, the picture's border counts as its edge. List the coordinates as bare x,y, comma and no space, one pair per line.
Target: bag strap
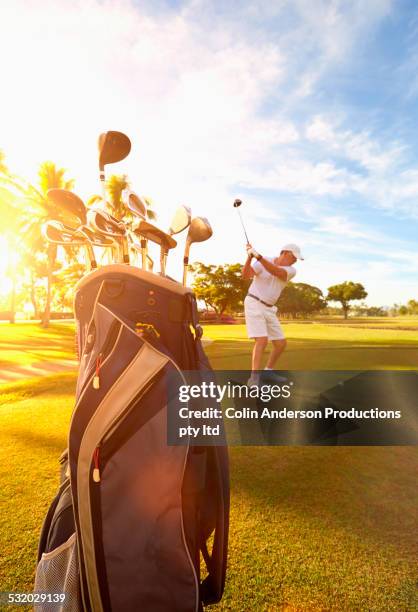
213,585
194,316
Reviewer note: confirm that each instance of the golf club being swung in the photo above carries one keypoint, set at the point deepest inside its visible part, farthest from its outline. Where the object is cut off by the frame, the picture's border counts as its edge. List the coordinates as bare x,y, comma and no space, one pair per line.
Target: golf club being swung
237,204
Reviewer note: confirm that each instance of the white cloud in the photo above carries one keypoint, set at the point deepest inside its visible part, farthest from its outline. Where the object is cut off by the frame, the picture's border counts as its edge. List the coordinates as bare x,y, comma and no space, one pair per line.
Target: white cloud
359,147
302,176
208,101
341,226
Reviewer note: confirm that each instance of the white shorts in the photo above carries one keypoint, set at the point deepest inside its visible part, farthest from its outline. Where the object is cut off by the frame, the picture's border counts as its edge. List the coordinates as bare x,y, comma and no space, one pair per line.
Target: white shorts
262,320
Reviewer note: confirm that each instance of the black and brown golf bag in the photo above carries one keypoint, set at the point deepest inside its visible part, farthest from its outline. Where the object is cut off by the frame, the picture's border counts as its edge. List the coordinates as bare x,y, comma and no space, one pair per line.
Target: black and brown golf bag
134,517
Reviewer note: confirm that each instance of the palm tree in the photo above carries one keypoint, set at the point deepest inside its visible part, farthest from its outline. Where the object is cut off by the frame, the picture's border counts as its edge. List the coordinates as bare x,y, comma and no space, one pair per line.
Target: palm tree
115,185
49,177
32,209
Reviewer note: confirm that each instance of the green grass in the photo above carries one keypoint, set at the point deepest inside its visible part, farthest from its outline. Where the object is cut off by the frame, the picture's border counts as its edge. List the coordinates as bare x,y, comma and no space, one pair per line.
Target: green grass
322,346
312,528
323,529
34,418
26,349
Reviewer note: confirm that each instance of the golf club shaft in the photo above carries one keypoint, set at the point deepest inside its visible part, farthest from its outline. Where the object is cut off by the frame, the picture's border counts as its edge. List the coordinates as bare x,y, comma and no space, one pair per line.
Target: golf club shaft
103,185
186,263
91,256
185,270
144,253
163,259
243,226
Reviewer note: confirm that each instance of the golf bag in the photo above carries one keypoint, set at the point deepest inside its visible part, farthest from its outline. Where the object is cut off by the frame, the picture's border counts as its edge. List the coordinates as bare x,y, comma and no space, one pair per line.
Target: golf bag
133,515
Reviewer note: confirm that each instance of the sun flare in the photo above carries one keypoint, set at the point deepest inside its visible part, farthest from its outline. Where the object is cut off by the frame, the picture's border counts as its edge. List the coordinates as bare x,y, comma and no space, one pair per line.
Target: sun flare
5,283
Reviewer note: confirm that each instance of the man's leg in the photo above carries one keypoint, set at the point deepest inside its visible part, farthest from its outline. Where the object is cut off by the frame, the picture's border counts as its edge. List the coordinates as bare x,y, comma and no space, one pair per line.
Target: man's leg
276,335
278,348
258,350
257,330
260,344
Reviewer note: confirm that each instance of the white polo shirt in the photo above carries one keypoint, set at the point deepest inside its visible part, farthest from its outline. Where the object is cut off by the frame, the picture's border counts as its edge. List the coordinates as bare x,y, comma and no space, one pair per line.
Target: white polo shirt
266,286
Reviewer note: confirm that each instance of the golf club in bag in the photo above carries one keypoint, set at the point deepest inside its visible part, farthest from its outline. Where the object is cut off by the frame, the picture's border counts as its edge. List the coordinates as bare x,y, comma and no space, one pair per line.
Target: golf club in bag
133,516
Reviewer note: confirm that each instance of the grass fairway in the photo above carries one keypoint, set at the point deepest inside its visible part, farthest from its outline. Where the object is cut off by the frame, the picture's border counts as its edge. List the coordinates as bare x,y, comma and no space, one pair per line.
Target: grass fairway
28,350
333,345
327,528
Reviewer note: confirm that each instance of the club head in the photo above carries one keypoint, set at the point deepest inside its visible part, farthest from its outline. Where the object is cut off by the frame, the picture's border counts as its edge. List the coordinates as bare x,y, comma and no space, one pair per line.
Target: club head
69,202
103,223
237,203
181,220
95,238
155,234
113,147
134,203
199,230
57,233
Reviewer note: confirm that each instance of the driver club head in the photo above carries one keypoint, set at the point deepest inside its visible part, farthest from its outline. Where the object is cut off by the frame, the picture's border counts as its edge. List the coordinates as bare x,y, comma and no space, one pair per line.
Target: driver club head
113,147
199,230
69,202
237,203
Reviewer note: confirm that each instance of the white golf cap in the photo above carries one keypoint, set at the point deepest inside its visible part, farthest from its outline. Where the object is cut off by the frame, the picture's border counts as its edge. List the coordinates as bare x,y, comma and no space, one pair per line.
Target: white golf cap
293,248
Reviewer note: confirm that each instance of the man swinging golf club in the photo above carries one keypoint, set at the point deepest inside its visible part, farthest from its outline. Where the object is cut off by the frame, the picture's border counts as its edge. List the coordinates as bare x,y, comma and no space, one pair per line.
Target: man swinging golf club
269,277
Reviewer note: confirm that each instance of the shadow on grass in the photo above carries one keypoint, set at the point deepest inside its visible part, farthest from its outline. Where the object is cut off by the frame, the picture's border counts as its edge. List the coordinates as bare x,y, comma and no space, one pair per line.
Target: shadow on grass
37,440
320,354
366,491
55,384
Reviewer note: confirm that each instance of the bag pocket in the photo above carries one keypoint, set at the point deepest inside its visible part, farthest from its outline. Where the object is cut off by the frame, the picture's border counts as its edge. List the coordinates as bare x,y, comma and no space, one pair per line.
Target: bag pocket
58,572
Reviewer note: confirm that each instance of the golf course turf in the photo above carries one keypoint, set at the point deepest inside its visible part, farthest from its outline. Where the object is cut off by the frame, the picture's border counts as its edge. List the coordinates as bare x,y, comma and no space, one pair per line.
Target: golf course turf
312,528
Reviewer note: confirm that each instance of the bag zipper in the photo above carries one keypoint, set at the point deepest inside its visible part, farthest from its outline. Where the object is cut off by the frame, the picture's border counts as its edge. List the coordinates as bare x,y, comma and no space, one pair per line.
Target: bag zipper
97,464
107,346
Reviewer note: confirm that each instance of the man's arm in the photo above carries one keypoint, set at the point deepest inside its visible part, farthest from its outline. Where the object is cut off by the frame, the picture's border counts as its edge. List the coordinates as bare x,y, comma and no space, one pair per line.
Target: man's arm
275,270
247,271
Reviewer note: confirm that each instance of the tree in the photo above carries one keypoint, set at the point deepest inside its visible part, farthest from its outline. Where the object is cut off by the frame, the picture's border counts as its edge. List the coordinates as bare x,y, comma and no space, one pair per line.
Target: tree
220,287
301,299
67,278
412,306
31,208
49,177
345,293
115,185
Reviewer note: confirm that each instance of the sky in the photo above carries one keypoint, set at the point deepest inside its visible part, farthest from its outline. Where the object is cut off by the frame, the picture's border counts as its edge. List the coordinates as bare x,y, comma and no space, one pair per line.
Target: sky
304,109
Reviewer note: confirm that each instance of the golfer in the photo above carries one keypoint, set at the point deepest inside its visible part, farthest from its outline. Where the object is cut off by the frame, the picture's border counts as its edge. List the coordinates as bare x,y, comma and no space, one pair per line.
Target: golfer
269,277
